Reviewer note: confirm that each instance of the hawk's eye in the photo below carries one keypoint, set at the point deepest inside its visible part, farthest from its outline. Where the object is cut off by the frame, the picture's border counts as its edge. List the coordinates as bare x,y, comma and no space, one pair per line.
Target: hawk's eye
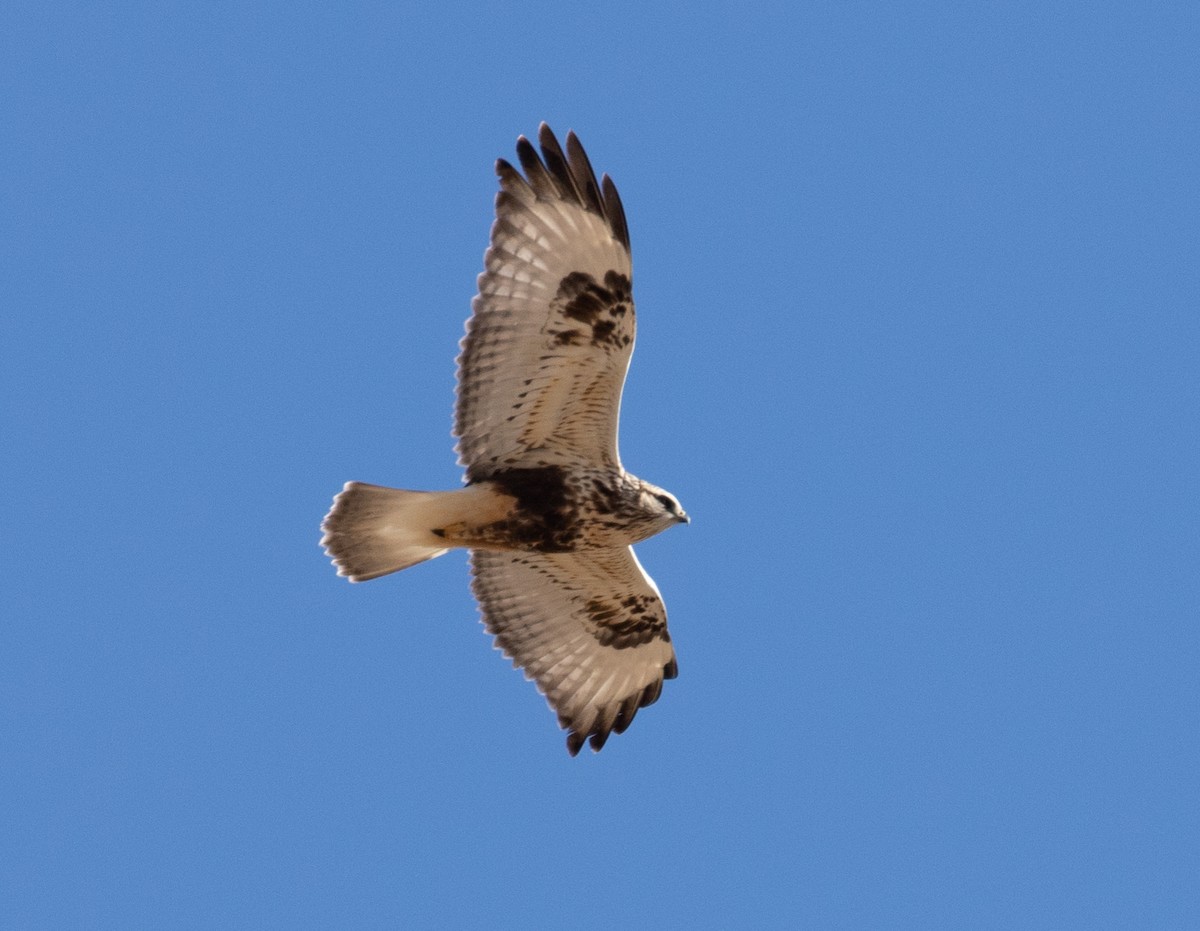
666,502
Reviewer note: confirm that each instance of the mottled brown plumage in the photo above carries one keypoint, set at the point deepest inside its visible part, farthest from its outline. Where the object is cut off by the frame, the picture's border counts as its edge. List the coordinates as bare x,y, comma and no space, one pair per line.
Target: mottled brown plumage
549,514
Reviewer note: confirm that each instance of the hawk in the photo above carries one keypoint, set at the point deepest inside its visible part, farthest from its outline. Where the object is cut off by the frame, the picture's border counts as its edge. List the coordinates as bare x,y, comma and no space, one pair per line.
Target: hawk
548,512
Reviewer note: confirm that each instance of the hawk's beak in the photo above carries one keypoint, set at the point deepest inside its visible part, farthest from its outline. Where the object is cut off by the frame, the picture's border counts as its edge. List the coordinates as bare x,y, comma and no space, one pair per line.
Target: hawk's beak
683,518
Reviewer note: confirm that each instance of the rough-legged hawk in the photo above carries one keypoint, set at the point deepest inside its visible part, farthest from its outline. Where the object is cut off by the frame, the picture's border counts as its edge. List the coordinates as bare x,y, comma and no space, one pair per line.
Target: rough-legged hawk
548,512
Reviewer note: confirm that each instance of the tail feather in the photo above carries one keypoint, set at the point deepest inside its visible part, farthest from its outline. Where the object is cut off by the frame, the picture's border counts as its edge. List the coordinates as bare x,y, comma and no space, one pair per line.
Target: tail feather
371,530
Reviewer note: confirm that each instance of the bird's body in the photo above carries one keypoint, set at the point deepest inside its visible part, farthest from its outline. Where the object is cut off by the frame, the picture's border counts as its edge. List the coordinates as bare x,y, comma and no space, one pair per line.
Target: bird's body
548,512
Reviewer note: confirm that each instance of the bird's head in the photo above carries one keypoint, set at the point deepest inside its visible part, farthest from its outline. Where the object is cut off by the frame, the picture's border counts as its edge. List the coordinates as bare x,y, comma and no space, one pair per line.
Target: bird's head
663,505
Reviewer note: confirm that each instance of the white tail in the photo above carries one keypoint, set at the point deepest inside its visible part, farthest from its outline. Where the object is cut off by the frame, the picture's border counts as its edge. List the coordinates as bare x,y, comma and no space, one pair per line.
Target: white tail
371,530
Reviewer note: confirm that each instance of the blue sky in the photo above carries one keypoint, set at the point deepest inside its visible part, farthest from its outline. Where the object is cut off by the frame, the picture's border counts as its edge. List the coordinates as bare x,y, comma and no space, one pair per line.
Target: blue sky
919,352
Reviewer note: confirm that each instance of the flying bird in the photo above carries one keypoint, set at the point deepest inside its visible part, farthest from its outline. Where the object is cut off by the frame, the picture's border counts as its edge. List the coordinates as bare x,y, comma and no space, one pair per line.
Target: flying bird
548,512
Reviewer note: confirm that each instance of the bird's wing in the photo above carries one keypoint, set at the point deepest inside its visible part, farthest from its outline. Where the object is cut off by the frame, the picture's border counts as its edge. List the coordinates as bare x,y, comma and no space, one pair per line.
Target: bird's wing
552,328
588,627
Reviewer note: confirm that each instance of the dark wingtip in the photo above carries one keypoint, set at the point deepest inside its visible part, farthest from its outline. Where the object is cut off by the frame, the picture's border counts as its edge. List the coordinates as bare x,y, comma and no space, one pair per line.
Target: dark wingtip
650,694
629,710
556,164
574,743
615,211
671,670
526,153
585,177
570,175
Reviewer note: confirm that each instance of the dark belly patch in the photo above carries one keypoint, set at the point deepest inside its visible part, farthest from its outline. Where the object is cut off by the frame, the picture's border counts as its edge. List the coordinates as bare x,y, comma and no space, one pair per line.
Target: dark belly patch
546,516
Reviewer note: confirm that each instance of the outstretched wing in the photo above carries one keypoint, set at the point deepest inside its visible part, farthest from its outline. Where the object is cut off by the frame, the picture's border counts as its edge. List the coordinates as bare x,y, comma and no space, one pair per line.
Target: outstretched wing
552,328
589,627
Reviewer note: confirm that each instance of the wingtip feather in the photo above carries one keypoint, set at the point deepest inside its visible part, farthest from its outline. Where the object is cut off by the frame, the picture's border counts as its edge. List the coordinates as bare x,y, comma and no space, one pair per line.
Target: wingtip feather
557,174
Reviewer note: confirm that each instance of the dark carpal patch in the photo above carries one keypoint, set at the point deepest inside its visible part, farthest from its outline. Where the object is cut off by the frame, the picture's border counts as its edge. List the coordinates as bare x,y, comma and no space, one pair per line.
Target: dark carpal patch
598,309
634,620
546,516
